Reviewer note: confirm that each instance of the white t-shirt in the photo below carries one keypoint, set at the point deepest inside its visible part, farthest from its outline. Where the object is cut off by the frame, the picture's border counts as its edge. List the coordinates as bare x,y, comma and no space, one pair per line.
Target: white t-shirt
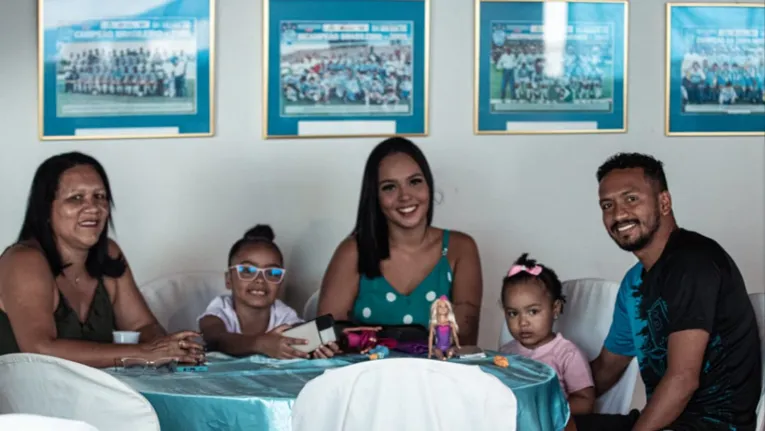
506,61
222,307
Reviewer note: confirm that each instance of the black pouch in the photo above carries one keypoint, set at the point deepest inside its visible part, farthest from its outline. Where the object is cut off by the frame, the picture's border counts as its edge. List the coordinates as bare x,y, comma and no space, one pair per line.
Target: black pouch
405,333
400,333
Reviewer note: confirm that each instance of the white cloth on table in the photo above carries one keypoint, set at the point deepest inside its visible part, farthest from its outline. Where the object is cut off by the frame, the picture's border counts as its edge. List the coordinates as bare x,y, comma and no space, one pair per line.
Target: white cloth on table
405,395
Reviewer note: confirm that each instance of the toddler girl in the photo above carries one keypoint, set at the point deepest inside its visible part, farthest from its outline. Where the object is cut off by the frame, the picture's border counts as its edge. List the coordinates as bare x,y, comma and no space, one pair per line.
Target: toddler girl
251,319
532,300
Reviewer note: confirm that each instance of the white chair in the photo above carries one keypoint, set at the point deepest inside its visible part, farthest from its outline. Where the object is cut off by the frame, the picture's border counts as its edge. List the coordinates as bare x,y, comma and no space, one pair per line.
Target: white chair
22,422
758,303
48,386
311,306
585,321
177,300
405,395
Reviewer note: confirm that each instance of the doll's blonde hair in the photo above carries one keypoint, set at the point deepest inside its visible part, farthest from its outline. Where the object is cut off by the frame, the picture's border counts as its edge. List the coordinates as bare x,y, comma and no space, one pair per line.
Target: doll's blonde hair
449,313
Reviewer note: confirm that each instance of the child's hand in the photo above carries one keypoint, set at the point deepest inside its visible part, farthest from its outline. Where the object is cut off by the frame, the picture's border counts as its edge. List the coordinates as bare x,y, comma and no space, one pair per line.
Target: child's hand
276,345
326,351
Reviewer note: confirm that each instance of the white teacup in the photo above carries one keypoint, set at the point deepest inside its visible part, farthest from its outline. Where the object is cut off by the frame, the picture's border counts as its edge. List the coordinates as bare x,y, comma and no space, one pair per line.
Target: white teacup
126,337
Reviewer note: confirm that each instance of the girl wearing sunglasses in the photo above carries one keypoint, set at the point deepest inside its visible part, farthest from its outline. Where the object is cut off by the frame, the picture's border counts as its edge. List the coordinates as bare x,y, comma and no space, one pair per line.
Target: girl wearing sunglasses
251,319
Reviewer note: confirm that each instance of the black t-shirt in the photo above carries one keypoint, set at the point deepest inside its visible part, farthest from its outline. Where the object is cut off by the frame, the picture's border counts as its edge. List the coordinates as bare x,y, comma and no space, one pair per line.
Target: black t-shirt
694,285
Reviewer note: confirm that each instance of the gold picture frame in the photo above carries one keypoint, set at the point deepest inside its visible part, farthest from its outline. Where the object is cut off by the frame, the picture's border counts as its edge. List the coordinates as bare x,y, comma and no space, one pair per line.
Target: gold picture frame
668,100
477,74
267,93
131,131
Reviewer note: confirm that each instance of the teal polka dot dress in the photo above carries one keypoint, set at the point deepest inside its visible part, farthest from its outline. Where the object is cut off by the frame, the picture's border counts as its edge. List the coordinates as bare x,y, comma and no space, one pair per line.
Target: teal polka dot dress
378,303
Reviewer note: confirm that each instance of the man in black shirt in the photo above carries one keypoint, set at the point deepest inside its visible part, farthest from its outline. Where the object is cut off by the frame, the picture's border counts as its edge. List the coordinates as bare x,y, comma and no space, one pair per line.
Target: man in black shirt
683,311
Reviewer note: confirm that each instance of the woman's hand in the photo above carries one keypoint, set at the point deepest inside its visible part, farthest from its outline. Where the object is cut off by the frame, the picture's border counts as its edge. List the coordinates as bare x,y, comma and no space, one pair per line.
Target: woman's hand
276,345
179,346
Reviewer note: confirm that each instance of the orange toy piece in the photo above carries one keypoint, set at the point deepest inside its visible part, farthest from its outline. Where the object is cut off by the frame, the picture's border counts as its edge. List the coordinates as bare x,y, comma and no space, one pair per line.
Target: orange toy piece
501,361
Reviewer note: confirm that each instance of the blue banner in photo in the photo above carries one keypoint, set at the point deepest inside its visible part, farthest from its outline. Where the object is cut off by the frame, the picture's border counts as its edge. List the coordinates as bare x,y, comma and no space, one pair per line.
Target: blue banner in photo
716,70
551,67
346,60
126,69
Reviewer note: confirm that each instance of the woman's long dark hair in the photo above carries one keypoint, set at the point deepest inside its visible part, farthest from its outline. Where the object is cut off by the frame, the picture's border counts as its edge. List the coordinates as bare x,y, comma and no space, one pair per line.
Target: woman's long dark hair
371,231
40,205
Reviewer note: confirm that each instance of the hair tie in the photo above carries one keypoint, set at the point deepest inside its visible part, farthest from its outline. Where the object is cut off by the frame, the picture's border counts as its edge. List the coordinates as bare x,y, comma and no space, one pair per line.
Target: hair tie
443,298
535,270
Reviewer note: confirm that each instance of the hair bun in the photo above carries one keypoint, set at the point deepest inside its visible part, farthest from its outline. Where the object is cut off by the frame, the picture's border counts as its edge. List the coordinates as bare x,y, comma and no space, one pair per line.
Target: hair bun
525,261
261,232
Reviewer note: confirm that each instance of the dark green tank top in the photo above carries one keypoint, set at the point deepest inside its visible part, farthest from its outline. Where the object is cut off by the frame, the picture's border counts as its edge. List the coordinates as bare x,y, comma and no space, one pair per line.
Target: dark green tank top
379,303
98,325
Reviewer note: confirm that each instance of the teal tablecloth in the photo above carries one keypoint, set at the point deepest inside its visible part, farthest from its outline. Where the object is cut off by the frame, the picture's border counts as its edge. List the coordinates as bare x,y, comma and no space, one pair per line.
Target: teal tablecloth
257,393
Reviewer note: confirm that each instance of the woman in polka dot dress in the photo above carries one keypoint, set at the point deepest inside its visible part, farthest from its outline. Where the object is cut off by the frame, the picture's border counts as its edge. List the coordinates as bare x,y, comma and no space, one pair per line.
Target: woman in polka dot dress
395,264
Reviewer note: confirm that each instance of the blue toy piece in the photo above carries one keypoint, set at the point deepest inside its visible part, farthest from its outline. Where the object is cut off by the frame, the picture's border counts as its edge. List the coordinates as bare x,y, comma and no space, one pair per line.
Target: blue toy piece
378,352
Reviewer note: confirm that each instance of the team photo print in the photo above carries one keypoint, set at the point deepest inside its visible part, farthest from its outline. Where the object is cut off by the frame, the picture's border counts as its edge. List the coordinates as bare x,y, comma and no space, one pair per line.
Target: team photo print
551,67
715,70
136,69
723,70
346,68
528,74
122,67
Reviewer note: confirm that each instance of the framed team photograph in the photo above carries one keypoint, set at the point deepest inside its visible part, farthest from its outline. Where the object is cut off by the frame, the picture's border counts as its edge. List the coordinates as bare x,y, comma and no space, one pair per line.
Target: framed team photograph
550,66
715,66
116,69
342,68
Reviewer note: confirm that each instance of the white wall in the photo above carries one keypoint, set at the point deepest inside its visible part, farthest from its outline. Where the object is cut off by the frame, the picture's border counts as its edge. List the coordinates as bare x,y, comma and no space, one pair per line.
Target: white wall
182,202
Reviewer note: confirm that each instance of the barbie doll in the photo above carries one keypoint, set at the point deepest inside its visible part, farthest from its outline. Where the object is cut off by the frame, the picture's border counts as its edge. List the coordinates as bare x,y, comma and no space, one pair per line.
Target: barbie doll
443,330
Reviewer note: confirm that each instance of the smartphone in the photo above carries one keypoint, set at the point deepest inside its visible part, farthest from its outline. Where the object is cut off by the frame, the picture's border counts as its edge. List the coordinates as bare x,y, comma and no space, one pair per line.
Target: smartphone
317,332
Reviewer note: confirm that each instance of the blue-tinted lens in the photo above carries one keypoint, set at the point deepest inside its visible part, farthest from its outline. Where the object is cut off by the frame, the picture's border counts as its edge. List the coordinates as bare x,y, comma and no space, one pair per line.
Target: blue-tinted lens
274,273
247,270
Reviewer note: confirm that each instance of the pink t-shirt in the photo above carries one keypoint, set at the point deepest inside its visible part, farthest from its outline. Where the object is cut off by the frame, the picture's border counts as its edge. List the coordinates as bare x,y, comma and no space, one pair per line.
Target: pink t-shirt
563,356
222,307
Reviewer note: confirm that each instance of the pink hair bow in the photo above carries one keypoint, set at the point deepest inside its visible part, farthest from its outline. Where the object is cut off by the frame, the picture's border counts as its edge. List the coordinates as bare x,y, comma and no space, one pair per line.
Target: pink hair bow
535,271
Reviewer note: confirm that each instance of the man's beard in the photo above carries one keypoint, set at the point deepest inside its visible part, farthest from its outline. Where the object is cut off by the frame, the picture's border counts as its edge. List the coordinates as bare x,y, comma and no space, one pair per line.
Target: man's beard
641,241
